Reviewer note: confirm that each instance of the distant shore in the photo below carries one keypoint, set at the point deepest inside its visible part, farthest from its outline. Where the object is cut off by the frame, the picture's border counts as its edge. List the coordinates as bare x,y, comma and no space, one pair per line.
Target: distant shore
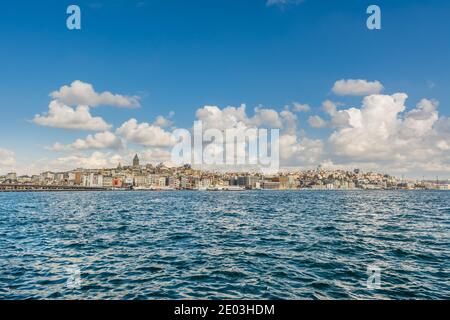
88,189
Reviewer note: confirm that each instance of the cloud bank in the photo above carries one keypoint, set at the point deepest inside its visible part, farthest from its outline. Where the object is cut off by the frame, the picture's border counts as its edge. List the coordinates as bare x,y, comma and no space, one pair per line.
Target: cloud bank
380,134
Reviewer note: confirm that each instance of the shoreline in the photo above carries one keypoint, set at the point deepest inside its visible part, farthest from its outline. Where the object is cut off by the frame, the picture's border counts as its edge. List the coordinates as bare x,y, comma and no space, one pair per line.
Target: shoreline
202,191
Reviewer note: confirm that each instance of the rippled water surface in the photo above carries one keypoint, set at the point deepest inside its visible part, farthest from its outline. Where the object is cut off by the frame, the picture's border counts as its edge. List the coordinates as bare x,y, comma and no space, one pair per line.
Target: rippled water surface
242,245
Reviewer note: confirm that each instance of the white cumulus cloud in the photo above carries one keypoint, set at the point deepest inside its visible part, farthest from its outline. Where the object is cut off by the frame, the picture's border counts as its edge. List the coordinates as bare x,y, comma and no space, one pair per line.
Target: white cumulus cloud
381,132
145,134
162,121
81,93
359,87
236,117
65,117
301,107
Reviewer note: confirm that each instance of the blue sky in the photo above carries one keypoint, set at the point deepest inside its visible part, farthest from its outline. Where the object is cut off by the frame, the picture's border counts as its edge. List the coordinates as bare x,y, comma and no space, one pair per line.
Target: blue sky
182,55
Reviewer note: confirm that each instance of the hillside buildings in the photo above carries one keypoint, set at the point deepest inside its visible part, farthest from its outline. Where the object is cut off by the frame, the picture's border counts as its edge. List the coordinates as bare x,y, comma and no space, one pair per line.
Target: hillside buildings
161,177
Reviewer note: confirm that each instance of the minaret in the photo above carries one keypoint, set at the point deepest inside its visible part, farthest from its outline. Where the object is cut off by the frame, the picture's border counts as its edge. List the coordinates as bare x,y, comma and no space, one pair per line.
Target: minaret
136,161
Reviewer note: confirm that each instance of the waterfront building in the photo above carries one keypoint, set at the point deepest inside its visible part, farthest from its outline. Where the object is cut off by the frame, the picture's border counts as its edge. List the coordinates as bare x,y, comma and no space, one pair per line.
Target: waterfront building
270,185
162,182
59,177
140,180
93,180
233,181
251,182
173,182
292,183
127,182
47,176
224,183
283,181
153,180
187,182
24,179
78,178
205,182
107,181
12,176
71,177
240,181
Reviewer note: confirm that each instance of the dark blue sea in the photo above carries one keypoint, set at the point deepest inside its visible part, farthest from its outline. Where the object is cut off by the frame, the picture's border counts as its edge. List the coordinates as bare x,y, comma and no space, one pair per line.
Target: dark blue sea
225,245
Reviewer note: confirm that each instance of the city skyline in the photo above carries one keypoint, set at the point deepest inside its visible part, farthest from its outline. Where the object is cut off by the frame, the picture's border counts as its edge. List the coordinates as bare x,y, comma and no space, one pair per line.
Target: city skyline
139,176
355,103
